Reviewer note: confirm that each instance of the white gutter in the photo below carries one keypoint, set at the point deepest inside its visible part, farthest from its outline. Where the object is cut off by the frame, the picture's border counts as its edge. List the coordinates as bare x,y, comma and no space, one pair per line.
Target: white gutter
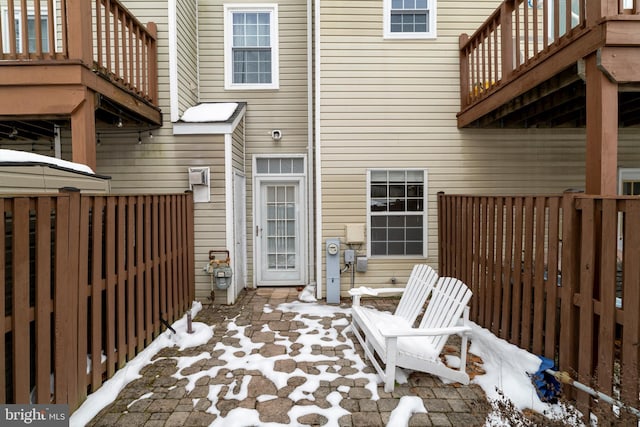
173,62
310,157
318,175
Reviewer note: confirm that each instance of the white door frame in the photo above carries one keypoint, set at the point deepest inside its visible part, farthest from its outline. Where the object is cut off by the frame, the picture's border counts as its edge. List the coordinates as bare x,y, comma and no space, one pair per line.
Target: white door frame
301,216
239,233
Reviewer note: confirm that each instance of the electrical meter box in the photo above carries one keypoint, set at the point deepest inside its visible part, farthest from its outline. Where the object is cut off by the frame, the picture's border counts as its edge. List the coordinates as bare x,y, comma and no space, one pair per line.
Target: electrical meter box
333,270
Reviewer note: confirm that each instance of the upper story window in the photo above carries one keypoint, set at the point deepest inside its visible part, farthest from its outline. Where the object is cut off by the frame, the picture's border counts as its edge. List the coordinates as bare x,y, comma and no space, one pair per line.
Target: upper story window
410,19
251,46
397,212
31,31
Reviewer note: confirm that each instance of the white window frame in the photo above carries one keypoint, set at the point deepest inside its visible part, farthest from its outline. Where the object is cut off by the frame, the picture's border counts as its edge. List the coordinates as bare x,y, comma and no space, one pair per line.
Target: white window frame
229,10
624,174
18,17
432,7
425,225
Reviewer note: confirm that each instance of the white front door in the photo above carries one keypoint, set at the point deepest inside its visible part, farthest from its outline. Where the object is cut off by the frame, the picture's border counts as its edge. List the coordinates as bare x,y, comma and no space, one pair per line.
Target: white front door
280,225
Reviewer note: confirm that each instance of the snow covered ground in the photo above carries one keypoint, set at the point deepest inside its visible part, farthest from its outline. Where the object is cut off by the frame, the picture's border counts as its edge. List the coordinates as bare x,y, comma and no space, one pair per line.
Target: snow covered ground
507,369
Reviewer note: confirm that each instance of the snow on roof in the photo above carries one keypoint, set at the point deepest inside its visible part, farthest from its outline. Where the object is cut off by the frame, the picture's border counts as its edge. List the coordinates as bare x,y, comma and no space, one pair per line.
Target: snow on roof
210,112
13,156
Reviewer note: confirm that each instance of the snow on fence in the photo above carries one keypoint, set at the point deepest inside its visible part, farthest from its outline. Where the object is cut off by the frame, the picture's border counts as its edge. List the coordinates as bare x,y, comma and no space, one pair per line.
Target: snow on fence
556,275
84,282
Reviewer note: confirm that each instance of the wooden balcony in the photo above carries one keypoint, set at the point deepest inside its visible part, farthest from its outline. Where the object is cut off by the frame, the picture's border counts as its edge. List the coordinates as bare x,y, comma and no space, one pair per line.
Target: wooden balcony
557,63
77,63
525,66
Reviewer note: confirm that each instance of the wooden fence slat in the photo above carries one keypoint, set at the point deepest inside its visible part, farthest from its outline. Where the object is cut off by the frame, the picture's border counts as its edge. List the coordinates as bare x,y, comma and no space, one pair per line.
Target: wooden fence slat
490,281
43,300
20,292
97,219
131,270
174,259
157,263
607,288
140,273
191,248
630,302
527,274
483,293
77,362
148,268
516,305
551,288
83,297
121,300
63,308
182,282
507,268
587,277
163,259
475,215
539,272
111,237
498,282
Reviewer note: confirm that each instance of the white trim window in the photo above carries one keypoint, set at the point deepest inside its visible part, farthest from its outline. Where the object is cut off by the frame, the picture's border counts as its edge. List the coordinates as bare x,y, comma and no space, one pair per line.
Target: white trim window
396,212
410,19
251,46
31,30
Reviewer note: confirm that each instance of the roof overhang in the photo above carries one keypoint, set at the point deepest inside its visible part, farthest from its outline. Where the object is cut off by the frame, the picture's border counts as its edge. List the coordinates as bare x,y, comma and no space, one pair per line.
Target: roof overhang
210,119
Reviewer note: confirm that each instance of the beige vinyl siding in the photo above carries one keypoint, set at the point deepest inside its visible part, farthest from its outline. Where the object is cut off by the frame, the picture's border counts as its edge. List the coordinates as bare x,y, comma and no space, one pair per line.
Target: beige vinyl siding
393,104
284,108
187,42
160,164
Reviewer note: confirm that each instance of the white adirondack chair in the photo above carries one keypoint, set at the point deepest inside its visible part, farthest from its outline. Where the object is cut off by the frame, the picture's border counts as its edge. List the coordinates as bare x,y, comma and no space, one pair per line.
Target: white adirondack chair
398,344
414,294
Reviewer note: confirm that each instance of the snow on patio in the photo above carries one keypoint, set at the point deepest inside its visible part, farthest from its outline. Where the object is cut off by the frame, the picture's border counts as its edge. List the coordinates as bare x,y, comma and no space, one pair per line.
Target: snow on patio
236,373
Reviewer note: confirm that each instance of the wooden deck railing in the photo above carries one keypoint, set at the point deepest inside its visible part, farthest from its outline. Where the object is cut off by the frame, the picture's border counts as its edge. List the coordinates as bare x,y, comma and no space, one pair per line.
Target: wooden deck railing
84,281
556,275
113,42
520,34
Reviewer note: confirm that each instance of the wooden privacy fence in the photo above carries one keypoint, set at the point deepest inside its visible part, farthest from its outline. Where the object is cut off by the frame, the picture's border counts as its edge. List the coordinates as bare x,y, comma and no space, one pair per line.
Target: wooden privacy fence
556,275
84,282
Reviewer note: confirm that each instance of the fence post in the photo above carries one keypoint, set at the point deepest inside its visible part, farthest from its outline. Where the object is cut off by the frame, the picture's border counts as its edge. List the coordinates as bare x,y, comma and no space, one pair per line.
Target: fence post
190,249
569,328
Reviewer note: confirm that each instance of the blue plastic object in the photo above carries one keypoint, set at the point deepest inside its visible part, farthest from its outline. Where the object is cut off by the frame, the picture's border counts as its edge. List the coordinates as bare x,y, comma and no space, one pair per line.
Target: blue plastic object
547,386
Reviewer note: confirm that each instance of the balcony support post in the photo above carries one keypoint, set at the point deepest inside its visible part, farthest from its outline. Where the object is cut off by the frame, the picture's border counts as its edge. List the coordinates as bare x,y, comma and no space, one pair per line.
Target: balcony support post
602,130
83,131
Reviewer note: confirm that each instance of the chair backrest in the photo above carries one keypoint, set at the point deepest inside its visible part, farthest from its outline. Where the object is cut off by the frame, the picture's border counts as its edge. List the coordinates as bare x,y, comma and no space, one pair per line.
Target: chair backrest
421,281
449,298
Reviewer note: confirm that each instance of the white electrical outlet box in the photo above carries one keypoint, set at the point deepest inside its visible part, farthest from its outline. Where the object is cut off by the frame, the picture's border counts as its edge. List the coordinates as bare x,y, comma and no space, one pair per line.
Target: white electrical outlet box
199,184
354,233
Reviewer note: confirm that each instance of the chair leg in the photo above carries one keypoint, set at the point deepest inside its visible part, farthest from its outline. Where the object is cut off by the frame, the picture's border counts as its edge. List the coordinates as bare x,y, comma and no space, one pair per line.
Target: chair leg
463,344
390,368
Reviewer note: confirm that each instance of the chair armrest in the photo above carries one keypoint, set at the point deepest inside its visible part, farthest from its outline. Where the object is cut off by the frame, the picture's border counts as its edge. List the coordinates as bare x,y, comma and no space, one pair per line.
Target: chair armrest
363,290
419,332
356,293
